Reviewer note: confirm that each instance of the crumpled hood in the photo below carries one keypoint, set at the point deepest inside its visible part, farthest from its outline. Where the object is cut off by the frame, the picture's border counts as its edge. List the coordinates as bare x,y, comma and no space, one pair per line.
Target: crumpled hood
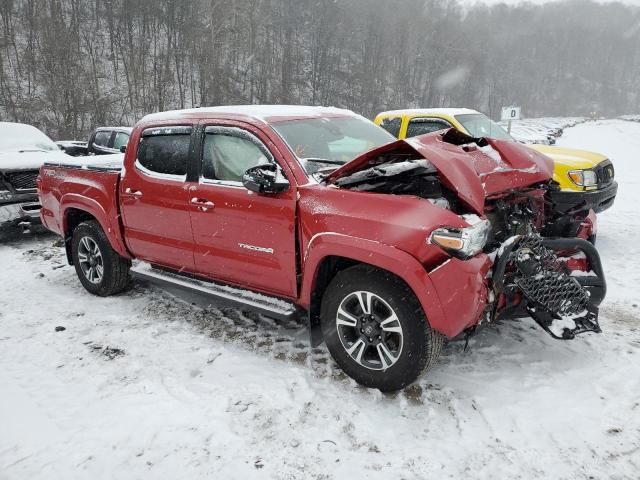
27,159
473,172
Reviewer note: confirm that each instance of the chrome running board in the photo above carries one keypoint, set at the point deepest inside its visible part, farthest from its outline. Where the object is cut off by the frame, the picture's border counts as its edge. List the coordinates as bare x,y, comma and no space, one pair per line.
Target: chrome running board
209,293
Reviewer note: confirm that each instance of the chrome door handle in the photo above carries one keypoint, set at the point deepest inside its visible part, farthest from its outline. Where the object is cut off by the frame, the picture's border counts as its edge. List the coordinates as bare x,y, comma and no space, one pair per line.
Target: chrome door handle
133,193
202,203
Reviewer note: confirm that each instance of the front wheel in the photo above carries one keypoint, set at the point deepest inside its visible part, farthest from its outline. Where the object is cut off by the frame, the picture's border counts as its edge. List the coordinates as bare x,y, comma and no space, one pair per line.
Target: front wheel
101,270
376,330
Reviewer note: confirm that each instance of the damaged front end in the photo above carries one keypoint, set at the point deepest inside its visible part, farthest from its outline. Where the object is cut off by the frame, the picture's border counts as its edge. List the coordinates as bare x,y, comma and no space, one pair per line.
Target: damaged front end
499,190
532,276
559,282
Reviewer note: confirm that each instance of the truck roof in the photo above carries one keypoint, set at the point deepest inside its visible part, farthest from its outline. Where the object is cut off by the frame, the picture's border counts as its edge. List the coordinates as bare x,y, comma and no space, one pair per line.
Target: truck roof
429,111
117,129
267,113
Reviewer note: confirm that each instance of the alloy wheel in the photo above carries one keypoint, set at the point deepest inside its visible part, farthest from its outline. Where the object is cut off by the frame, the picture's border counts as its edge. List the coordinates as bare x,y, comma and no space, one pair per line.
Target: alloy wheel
369,330
90,260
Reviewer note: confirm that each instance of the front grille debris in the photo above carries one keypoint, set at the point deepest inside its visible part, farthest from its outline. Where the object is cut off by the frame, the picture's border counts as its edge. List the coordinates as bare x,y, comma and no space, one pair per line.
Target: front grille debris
545,280
555,300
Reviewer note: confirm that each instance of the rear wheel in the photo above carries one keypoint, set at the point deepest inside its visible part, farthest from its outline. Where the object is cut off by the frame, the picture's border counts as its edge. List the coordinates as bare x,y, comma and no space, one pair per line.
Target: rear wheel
101,270
376,330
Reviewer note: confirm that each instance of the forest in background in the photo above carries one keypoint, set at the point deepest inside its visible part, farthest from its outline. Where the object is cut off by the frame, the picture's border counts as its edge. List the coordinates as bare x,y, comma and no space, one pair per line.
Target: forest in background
68,66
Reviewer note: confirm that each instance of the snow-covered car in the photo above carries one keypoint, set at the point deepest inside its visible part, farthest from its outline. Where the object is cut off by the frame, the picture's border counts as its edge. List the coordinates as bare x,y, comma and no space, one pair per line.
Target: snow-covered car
23,150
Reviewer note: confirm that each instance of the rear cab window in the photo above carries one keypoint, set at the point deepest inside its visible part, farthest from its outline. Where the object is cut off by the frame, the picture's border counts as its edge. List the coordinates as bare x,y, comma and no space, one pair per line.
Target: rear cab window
164,151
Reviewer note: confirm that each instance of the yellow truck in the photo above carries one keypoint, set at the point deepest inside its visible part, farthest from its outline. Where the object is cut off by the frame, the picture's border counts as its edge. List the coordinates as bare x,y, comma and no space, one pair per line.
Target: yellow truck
585,182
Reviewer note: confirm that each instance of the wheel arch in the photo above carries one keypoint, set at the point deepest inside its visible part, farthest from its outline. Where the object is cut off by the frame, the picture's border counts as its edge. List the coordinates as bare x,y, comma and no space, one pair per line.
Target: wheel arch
328,254
76,209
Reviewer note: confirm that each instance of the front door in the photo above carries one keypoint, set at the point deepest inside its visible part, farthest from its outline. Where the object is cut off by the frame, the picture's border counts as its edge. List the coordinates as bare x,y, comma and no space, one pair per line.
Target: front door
241,237
154,199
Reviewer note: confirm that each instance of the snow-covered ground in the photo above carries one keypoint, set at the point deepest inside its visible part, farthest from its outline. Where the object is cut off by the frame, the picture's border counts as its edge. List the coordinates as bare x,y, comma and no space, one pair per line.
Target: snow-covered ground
142,385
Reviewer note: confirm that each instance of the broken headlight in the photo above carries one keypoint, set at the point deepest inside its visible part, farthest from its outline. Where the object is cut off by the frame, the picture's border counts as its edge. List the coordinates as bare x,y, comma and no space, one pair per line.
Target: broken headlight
583,178
463,242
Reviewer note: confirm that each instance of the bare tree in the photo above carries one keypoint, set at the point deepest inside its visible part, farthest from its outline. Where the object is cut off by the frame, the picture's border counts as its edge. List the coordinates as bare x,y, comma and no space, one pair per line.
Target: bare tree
70,65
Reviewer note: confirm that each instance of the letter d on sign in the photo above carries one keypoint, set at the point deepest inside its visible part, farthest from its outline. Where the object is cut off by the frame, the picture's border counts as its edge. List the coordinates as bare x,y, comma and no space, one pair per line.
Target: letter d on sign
509,114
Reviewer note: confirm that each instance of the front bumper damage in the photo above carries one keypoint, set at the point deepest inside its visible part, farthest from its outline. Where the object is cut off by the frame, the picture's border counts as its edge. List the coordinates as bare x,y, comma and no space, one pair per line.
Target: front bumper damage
530,278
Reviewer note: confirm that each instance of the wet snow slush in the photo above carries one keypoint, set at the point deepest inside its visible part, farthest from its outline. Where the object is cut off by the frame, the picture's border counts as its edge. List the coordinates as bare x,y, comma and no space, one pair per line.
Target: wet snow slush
143,385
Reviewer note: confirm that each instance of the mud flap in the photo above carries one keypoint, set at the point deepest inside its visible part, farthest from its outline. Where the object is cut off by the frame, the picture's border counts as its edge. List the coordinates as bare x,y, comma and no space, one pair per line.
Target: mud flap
562,305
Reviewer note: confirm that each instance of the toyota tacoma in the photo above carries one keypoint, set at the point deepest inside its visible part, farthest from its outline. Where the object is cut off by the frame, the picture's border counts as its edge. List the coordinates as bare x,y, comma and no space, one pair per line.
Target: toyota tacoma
383,246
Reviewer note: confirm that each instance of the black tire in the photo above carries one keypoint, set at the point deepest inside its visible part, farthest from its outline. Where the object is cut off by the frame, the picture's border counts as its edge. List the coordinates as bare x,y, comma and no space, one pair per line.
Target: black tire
592,239
115,269
420,344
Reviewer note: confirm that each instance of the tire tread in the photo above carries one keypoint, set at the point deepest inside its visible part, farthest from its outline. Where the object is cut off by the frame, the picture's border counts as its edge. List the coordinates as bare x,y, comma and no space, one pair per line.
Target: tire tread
424,357
118,279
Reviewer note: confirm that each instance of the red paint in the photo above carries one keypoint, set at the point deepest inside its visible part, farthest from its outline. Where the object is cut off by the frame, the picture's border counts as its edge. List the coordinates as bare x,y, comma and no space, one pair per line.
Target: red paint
296,230
589,226
577,264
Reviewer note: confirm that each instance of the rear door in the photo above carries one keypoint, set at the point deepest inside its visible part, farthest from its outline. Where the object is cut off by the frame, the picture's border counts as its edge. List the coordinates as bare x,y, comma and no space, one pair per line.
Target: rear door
241,237
154,198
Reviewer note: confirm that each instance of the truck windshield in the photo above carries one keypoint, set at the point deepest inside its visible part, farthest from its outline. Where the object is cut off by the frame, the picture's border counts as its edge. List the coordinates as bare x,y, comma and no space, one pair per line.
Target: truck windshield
479,125
320,143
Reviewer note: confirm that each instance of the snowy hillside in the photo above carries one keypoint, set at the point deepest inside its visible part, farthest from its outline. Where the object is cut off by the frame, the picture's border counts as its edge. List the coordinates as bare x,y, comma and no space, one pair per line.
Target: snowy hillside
143,385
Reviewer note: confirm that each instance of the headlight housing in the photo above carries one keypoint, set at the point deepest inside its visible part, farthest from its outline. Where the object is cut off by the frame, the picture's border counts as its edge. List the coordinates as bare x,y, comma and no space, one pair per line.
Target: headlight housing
463,242
583,178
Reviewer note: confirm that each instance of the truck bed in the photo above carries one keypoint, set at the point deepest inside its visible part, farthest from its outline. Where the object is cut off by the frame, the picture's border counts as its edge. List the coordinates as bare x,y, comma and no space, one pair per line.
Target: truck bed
89,184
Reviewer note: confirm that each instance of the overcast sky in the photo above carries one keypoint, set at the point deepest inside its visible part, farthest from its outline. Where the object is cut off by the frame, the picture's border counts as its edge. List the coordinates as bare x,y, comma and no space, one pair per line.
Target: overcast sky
630,2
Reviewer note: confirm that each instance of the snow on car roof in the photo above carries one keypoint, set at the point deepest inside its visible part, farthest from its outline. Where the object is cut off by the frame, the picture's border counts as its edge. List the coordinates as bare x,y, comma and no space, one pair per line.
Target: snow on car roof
261,112
14,136
430,111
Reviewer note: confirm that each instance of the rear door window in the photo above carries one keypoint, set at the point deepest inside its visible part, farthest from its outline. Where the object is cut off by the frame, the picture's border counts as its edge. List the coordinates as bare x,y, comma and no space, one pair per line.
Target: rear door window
164,151
421,126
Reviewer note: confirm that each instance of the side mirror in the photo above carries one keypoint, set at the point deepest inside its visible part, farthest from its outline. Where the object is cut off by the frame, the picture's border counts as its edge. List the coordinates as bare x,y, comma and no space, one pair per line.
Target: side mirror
266,179
123,148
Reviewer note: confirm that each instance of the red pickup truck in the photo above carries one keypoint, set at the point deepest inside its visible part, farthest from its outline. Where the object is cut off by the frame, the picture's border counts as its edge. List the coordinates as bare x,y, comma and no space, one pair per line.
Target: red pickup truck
384,246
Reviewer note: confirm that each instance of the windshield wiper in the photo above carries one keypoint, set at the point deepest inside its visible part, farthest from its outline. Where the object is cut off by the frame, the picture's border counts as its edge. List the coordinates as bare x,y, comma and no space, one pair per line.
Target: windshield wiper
324,160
